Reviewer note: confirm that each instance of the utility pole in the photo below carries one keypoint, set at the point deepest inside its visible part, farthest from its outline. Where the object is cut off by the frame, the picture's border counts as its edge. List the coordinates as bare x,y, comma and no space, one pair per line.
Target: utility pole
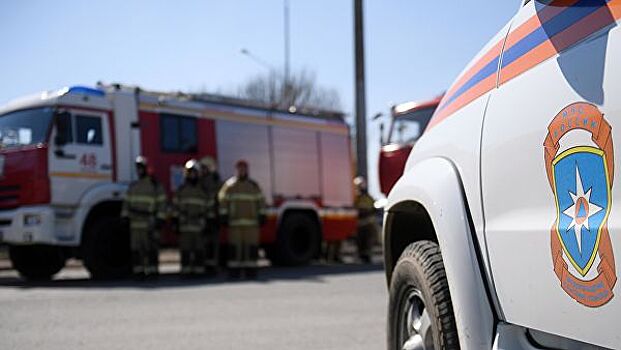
286,37
361,120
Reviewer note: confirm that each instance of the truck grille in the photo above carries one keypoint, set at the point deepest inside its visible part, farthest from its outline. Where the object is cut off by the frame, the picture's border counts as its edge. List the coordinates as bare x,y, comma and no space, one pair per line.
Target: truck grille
9,196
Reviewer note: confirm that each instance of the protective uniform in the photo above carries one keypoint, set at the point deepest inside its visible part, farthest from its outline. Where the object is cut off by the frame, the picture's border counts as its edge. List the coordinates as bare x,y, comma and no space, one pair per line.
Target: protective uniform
145,209
242,208
191,204
211,183
367,224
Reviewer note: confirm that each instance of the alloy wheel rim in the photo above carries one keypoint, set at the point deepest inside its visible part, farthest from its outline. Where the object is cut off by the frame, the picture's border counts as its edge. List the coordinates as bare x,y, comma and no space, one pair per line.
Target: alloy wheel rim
415,323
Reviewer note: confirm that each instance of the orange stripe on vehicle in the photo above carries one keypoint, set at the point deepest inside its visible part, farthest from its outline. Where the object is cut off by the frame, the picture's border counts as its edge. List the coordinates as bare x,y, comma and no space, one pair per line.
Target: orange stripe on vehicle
492,54
82,175
477,91
577,32
535,22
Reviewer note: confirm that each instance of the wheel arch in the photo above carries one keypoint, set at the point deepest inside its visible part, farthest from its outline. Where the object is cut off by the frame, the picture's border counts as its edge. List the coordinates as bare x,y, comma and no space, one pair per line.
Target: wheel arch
99,200
106,208
397,231
301,207
430,197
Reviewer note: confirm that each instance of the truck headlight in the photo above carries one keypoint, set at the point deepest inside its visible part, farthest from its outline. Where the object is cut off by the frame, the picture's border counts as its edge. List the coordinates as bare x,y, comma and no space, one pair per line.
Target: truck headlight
32,219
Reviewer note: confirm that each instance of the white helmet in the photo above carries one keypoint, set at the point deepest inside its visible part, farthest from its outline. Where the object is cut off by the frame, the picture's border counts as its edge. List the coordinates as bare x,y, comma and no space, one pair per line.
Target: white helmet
191,165
360,182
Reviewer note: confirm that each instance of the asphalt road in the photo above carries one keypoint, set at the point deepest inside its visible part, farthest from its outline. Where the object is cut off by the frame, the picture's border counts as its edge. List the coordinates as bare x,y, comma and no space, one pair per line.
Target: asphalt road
315,307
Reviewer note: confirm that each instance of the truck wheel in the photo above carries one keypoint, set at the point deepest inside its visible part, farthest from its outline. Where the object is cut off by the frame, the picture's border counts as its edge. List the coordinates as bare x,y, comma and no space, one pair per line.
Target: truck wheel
298,240
420,312
105,248
37,262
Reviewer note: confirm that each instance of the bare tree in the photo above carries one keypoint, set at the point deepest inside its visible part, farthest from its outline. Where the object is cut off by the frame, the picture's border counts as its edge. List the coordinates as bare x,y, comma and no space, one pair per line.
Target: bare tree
300,91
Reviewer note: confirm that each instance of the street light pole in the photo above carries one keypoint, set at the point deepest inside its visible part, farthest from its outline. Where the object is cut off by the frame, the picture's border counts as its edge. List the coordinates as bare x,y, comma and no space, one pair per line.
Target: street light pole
256,59
286,38
361,120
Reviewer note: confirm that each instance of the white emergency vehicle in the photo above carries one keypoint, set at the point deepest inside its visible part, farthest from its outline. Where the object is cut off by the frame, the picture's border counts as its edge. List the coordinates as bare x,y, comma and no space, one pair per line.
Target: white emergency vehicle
66,159
505,228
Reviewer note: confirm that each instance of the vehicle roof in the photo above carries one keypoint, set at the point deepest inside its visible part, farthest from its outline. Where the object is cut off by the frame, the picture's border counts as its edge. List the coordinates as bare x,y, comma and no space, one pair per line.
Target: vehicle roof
415,106
200,100
97,97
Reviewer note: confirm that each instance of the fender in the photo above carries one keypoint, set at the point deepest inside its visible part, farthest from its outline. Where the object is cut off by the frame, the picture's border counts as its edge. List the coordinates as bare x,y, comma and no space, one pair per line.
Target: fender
92,197
435,184
296,205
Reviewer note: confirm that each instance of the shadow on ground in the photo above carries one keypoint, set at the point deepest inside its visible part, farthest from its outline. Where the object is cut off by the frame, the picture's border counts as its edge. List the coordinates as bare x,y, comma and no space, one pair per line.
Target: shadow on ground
314,273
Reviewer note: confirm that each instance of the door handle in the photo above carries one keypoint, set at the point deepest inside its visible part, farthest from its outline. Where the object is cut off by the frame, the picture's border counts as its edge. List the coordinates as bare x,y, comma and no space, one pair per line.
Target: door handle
105,167
61,154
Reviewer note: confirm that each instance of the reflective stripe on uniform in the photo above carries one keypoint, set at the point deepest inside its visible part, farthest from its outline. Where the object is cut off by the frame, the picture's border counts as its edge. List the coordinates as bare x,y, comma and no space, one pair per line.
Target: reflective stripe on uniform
370,220
138,224
192,201
244,222
141,198
234,264
190,228
243,197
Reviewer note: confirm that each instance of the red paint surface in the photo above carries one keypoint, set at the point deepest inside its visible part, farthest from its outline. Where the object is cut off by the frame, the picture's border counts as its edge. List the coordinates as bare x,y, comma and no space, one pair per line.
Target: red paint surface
25,180
160,163
391,164
338,229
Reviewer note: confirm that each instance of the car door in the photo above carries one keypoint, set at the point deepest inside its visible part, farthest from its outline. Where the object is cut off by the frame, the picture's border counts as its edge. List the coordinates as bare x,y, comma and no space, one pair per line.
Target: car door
551,201
83,158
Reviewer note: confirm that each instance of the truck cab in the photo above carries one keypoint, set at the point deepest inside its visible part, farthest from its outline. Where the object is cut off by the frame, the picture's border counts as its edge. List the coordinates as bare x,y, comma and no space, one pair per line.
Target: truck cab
407,123
62,175
503,230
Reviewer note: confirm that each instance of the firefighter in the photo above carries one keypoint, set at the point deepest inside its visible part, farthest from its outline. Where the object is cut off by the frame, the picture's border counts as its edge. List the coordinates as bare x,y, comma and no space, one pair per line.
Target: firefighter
367,225
242,209
191,205
144,209
211,183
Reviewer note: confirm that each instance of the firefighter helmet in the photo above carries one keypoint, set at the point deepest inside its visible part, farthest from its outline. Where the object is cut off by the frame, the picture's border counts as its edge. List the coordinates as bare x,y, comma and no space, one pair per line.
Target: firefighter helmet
209,163
360,182
141,161
191,165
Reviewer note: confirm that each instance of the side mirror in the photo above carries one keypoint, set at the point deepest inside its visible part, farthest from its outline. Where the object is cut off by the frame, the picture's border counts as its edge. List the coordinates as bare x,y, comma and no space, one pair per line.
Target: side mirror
381,130
60,140
62,122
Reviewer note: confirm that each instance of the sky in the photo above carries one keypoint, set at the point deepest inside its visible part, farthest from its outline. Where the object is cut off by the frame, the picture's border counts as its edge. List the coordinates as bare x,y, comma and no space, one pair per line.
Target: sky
414,48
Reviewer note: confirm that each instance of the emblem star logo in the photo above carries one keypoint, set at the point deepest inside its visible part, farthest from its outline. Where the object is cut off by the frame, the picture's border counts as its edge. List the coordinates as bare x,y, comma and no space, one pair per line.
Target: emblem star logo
581,209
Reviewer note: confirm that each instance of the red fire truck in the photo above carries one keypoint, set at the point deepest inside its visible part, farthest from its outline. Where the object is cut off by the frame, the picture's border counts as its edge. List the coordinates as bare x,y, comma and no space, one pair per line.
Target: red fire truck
66,159
407,123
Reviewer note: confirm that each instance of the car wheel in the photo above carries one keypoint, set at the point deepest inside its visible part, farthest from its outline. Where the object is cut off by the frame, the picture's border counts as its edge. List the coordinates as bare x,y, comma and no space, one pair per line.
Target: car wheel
420,311
105,248
37,262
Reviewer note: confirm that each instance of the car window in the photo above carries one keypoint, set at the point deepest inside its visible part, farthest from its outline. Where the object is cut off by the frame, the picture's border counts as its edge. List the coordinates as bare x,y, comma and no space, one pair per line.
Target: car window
178,133
88,130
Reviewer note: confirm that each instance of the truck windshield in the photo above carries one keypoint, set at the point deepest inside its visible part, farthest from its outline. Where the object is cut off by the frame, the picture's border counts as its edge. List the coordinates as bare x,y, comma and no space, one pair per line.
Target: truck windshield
25,127
407,128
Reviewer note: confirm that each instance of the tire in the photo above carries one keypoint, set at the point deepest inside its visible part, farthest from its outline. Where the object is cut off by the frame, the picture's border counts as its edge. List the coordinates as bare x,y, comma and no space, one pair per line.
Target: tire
105,248
37,262
420,311
298,241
